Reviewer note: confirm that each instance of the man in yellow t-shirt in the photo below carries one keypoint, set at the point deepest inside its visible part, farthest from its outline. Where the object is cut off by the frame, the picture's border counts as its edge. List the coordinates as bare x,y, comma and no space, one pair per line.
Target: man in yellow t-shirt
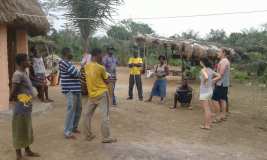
135,64
97,80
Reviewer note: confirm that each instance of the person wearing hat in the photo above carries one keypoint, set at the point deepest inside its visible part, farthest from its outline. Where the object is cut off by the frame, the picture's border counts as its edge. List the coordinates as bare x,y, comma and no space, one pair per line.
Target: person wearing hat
110,62
135,65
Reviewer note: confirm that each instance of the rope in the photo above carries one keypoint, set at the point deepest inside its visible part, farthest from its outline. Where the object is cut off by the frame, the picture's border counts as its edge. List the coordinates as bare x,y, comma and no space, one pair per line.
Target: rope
157,18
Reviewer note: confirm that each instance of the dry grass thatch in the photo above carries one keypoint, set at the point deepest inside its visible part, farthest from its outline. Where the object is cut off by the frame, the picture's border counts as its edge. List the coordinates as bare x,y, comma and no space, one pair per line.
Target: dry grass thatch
11,10
185,48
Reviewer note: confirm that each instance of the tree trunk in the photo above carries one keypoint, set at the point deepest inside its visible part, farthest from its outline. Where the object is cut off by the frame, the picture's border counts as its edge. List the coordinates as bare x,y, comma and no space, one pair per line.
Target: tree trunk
85,44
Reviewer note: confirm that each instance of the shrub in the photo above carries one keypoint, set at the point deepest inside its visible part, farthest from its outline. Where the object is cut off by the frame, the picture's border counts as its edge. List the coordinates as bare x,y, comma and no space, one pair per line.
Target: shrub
240,75
263,78
193,72
175,62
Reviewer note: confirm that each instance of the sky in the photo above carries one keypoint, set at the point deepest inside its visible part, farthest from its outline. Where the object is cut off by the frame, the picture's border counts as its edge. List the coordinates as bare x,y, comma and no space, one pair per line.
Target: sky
169,8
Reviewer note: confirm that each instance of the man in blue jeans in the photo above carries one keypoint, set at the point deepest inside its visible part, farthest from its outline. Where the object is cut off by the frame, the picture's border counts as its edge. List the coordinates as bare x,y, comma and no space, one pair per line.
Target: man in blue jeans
71,88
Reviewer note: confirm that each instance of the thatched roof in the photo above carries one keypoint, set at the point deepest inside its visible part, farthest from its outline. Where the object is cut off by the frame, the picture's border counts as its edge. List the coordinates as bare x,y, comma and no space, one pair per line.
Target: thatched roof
188,48
16,13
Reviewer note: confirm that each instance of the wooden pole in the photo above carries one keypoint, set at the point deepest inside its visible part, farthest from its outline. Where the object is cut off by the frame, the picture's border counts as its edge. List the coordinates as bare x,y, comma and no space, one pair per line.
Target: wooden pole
182,68
22,41
4,85
166,53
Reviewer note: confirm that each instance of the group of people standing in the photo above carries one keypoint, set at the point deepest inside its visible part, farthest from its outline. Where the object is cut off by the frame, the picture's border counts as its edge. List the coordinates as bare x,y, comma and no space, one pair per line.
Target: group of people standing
214,89
97,80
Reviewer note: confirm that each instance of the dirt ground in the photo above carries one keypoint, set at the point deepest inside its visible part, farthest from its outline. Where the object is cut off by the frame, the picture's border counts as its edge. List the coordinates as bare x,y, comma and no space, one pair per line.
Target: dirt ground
150,131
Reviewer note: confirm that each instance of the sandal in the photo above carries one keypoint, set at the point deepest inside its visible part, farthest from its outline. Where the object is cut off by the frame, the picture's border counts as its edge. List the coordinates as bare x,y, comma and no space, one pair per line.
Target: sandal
109,140
216,120
32,154
70,137
90,138
205,128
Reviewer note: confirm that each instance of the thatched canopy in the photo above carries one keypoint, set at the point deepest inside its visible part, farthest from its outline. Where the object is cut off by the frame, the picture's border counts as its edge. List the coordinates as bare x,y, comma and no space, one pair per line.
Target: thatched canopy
16,13
186,48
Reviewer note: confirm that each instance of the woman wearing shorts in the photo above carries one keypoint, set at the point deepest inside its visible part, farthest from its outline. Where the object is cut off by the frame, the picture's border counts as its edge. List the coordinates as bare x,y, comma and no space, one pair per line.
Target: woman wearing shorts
207,76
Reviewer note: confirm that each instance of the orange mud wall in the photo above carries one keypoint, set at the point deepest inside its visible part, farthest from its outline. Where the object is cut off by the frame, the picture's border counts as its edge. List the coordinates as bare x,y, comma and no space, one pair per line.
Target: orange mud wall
21,47
4,82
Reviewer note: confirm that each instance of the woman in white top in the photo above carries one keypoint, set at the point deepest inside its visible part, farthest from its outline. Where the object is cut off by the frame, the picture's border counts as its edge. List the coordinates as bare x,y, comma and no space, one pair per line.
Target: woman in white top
207,78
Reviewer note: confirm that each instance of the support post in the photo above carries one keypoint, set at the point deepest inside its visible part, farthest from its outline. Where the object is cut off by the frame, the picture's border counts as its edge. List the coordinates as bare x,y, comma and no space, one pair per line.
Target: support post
4,85
22,41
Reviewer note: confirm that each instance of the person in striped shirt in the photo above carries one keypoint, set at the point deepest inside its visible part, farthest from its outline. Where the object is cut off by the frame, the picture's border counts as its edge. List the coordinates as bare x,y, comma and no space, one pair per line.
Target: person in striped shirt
71,88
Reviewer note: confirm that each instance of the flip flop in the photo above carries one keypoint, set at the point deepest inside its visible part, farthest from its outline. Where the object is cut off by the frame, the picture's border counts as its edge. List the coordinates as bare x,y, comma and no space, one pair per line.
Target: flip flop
205,128
70,137
32,154
90,138
217,121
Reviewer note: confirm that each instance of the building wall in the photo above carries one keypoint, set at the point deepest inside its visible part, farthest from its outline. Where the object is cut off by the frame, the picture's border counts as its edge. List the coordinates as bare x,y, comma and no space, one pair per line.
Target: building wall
21,46
4,85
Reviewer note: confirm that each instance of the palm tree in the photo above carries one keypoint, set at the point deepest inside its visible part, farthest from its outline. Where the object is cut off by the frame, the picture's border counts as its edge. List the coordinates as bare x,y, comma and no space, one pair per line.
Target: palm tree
89,15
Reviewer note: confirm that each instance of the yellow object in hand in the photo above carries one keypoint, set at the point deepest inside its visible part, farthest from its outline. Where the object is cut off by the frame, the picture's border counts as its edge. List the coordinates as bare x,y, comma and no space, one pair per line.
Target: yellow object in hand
25,99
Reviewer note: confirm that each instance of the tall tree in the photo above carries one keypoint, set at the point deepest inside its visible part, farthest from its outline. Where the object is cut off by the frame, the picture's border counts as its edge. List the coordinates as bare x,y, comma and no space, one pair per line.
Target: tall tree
190,34
127,29
135,27
49,6
89,15
119,33
218,35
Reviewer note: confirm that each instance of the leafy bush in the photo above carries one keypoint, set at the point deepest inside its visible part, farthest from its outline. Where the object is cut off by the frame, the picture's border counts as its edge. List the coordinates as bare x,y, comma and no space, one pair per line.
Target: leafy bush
263,78
175,62
254,56
193,72
240,75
